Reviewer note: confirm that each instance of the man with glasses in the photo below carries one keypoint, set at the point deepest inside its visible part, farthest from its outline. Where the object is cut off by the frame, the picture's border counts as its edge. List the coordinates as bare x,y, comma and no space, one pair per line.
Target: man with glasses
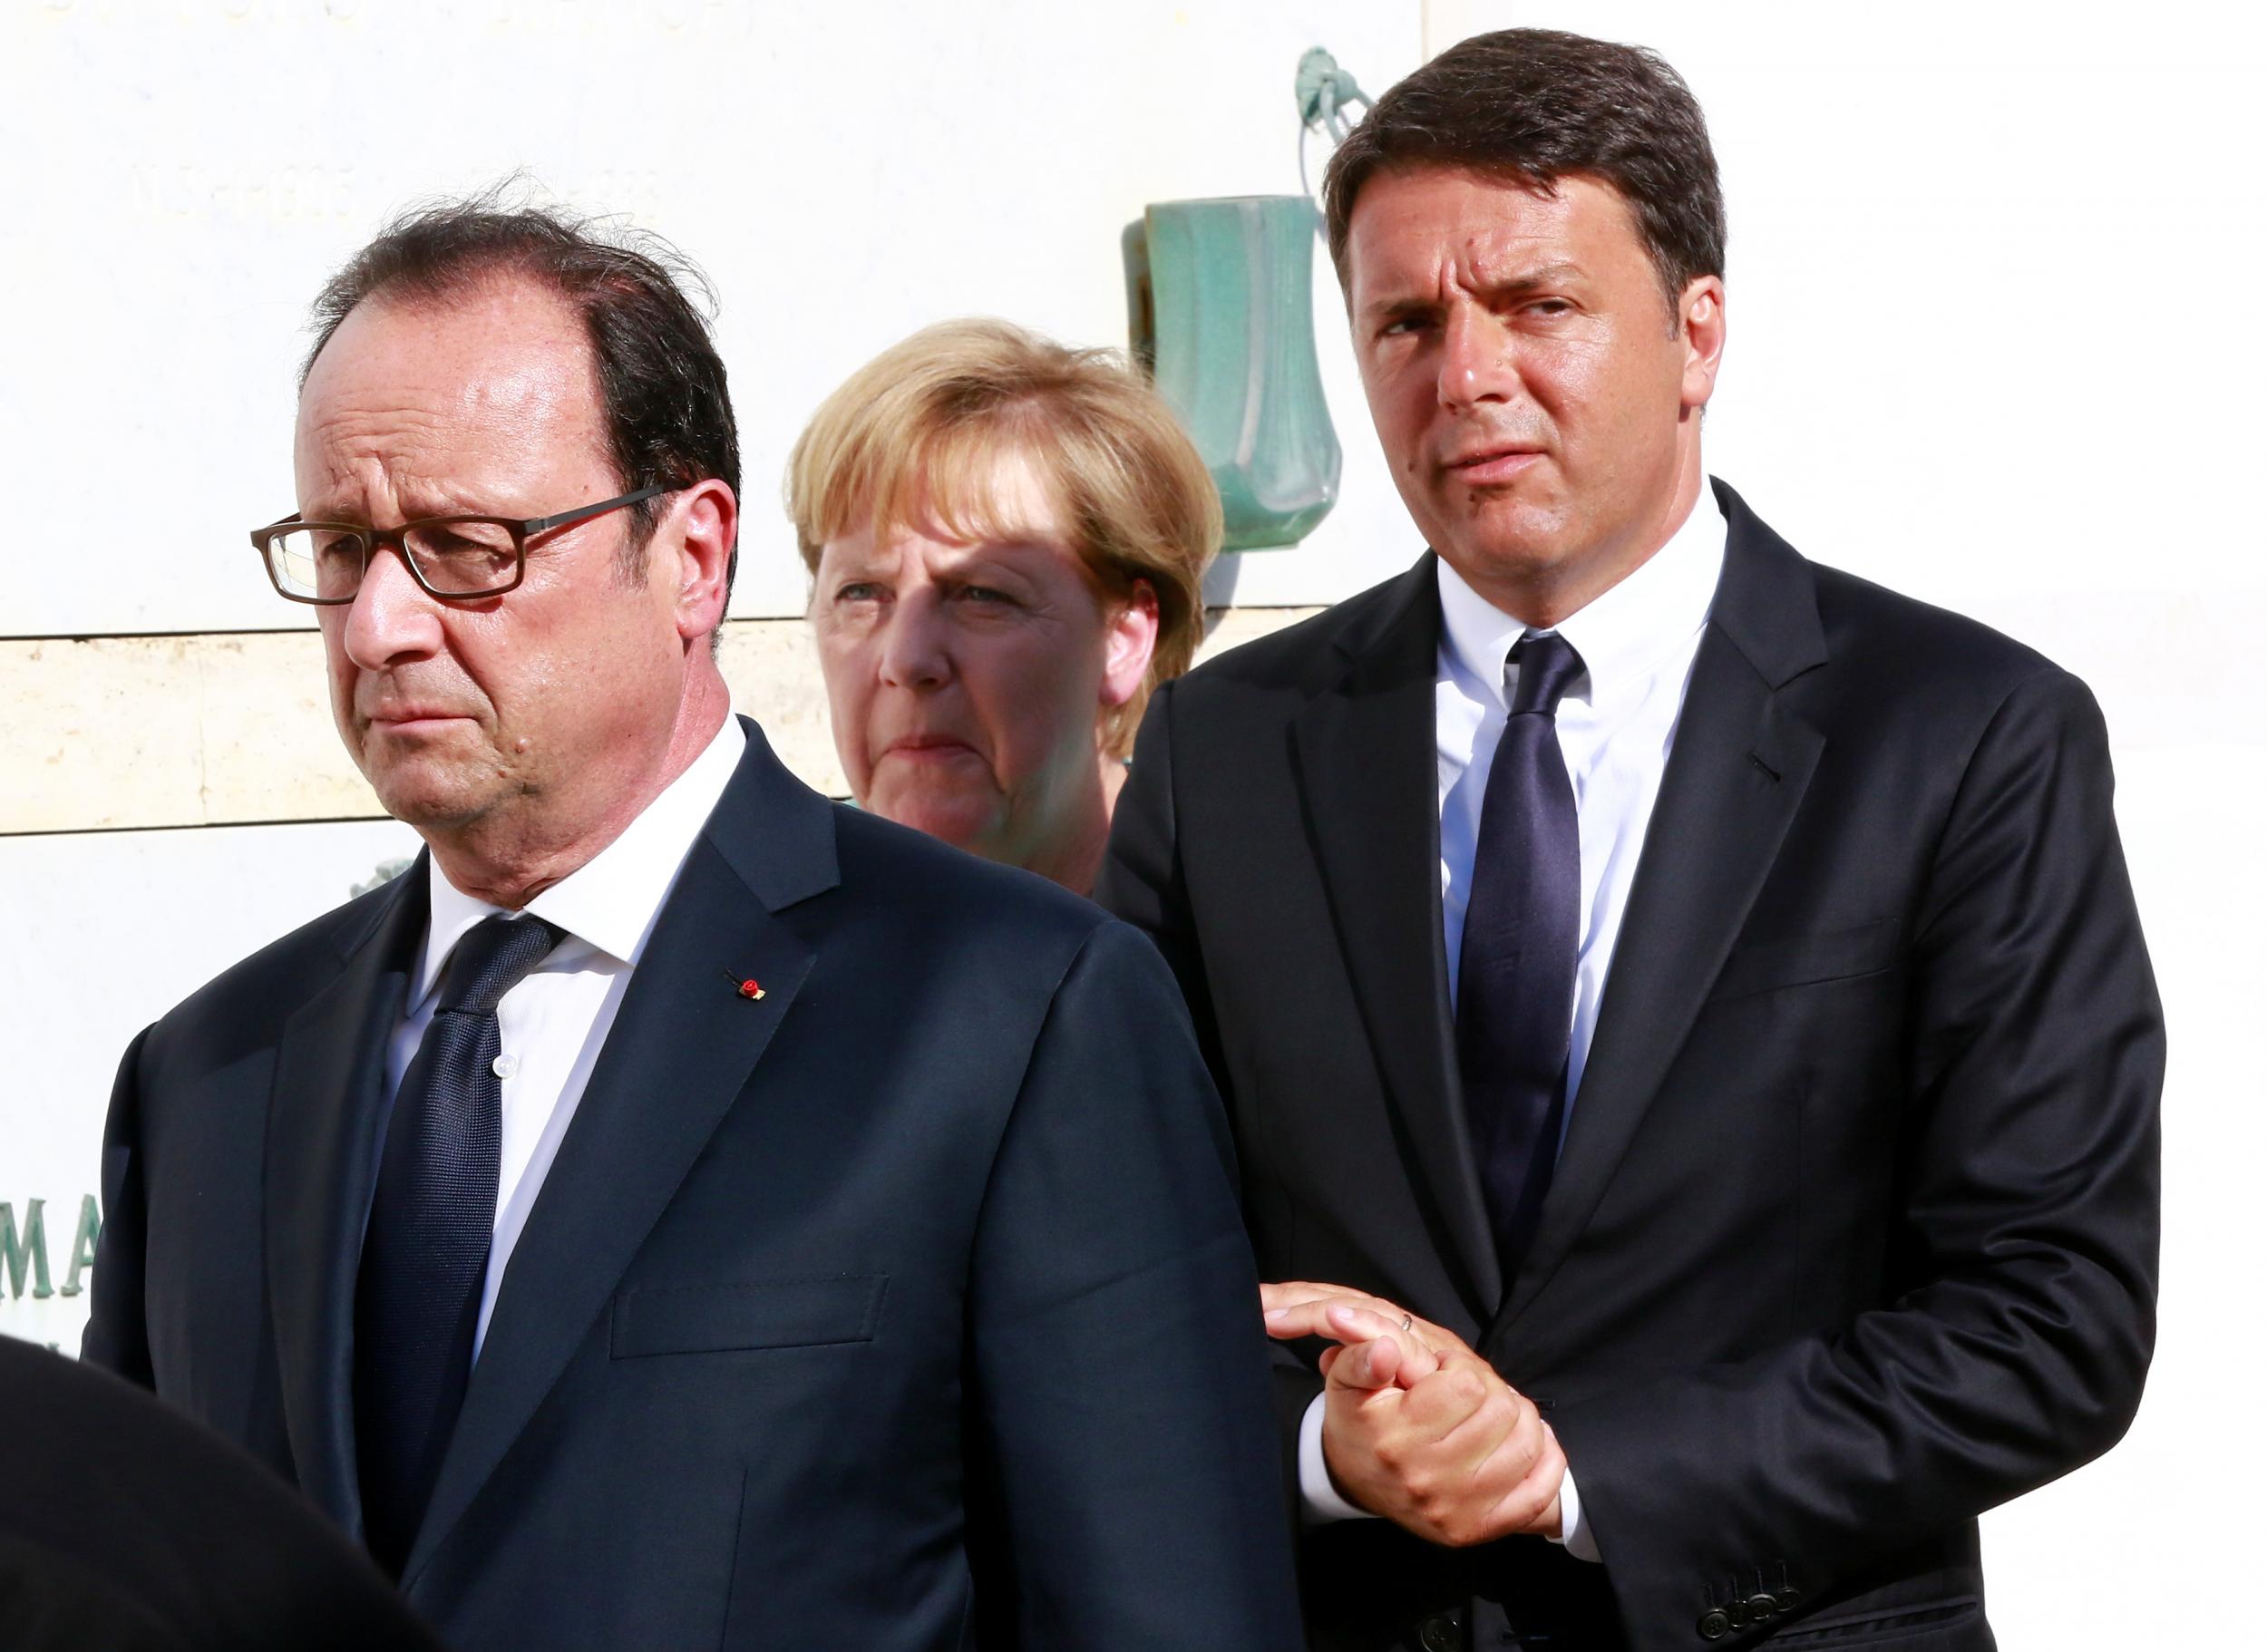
677,1211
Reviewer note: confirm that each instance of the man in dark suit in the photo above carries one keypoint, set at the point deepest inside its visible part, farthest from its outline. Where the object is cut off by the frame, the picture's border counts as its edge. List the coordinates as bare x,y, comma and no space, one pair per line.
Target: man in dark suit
131,1528
679,1211
1681,1008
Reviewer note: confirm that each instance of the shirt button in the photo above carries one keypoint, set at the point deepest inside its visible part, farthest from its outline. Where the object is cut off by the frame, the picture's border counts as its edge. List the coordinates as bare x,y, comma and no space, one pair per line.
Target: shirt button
504,1067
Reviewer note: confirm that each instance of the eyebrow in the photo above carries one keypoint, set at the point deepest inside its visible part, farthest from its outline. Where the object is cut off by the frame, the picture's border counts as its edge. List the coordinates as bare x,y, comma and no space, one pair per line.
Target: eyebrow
1509,286
329,509
1528,281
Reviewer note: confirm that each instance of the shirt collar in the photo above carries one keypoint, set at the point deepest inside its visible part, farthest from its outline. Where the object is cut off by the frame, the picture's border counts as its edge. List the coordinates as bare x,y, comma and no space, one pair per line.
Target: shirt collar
1621,634
609,902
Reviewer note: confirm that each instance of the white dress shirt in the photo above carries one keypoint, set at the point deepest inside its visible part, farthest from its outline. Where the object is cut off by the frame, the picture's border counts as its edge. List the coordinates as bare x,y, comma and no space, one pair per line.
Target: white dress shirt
1638,643
555,1020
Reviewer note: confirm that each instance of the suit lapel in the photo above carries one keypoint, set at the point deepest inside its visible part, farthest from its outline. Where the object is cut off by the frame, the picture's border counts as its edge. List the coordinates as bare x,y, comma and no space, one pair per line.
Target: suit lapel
1365,751
1740,764
321,1134
682,1049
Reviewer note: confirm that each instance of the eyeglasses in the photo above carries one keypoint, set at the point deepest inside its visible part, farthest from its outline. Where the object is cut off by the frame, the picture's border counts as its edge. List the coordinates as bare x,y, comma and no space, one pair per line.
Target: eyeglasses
453,558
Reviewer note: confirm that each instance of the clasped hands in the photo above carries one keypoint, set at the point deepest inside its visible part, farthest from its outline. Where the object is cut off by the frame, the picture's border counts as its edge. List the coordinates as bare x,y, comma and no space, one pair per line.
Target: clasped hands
1416,1426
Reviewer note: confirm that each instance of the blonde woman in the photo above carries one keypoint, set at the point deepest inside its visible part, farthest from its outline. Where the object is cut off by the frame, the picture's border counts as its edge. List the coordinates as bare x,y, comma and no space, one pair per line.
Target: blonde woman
1007,540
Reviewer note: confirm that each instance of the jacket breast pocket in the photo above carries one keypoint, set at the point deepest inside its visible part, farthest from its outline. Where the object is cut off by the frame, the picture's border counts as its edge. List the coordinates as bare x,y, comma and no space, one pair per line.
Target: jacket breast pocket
794,1313
1803,960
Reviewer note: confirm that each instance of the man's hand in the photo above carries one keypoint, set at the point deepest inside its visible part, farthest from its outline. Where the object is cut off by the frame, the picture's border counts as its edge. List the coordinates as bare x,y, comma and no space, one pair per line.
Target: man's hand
1416,1426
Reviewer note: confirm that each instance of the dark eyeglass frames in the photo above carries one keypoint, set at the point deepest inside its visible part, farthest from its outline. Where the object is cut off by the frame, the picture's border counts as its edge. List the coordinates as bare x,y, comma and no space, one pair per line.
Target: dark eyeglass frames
453,558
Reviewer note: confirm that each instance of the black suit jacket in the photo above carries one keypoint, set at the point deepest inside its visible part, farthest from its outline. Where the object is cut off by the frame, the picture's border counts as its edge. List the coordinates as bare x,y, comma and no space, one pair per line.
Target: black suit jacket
1854,1232
907,1306
127,1528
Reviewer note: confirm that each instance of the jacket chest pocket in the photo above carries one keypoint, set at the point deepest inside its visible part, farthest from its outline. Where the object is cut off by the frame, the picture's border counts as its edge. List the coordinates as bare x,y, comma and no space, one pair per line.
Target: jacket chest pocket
789,1313
1805,960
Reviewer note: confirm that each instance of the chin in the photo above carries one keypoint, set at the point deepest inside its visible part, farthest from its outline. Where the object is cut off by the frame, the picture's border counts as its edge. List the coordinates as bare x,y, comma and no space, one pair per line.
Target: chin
428,815
426,800
1518,561
1519,541
965,819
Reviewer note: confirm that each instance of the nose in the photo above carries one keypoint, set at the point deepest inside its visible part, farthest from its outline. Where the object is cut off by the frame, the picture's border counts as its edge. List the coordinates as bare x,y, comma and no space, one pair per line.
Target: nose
1477,361
391,619
916,652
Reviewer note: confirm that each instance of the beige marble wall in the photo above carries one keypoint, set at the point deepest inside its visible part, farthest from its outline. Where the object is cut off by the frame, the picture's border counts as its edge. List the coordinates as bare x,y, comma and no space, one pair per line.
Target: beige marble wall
109,733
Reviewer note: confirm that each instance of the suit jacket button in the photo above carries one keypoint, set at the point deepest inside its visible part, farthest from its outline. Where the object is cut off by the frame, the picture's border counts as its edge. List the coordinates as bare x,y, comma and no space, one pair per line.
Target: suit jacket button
1760,1607
1440,1635
1714,1626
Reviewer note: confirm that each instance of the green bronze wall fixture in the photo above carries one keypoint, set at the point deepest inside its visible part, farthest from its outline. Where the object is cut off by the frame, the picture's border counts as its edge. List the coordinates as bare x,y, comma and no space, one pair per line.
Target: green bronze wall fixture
1221,297
1220,302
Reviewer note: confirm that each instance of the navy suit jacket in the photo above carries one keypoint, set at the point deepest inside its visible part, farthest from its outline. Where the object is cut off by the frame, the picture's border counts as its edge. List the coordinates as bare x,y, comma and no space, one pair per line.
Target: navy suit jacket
908,1307
1853,1231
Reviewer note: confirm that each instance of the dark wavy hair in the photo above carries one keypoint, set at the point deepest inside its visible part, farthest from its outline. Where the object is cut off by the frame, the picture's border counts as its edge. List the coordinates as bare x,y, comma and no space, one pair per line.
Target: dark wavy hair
1535,105
668,415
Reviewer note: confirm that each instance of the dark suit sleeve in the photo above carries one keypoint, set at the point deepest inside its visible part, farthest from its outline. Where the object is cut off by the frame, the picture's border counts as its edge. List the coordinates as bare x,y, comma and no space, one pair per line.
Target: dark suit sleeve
116,1337
1117,1369
2024,1259
1141,882
128,1528
1140,876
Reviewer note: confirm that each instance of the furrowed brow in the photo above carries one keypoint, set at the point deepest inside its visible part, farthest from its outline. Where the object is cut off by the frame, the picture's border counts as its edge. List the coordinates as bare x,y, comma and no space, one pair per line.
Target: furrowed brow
1526,281
1495,289
1386,310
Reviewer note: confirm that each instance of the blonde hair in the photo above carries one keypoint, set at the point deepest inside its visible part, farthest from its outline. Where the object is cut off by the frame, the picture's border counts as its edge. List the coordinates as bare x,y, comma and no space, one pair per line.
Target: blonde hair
917,435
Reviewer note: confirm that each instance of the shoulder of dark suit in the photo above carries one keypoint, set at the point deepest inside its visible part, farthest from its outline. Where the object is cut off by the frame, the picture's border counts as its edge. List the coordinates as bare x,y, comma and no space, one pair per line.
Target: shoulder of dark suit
1314,652
912,882
904,881
290,969
1870,633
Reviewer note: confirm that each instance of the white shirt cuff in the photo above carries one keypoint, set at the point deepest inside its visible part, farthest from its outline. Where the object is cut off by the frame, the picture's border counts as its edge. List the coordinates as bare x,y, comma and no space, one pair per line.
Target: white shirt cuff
1573,1535
1319,1499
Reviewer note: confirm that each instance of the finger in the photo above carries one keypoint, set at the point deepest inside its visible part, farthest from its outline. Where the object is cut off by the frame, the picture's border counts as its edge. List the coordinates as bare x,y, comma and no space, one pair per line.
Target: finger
1485,1473
1287,1324
1522,1457
1365,1366
1299,1293
1365,1321
1350,1321
1291,1293
1417,1363
1532,1503
1283,1301
1279,1298
1339,1319
1462,1392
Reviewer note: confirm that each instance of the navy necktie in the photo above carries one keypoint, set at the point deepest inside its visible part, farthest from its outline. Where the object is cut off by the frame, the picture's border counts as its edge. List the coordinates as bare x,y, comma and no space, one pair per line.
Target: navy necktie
1515,972
424,1257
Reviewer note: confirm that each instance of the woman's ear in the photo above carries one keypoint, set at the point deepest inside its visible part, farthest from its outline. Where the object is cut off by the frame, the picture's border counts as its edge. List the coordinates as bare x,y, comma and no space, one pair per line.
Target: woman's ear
1129,640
